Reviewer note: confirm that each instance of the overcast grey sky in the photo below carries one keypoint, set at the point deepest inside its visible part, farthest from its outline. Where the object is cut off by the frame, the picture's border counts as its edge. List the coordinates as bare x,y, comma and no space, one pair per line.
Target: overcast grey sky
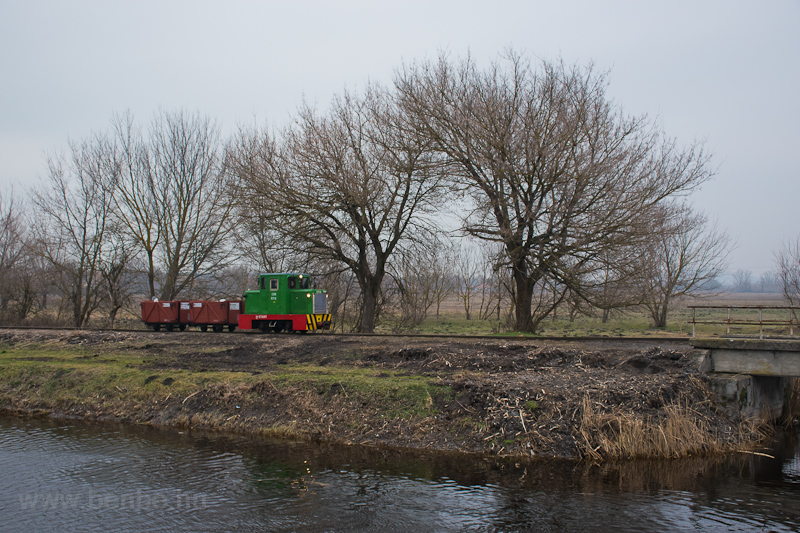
726,72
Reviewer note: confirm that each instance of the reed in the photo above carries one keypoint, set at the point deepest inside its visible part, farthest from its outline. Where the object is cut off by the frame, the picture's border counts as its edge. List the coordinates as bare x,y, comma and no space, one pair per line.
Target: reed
791,411
677,431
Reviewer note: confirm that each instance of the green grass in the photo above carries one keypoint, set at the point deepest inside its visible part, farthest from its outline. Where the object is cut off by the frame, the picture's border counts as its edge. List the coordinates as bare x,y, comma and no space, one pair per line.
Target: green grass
402,395
629,323
54,377
445,324
67,376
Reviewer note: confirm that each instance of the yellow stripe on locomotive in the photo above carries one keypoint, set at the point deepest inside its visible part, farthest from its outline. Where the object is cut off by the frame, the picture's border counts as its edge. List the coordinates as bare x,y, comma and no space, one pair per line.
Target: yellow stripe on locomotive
318,321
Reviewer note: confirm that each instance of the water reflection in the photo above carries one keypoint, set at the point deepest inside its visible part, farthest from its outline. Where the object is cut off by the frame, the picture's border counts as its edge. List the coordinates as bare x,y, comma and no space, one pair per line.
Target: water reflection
58,475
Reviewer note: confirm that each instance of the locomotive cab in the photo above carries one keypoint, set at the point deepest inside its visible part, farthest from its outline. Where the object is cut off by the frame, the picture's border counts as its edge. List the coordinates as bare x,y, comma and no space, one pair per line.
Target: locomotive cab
285,302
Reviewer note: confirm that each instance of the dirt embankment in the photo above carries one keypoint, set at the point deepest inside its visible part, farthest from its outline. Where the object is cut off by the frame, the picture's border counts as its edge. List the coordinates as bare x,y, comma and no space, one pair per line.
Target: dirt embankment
522,398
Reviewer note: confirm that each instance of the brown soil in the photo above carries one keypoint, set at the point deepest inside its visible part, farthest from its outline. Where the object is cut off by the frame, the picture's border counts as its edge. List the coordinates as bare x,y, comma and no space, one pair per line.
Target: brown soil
509,397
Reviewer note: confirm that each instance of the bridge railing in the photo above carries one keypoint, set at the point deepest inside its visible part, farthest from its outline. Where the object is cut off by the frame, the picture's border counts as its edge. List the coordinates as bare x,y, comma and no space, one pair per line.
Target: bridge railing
791,322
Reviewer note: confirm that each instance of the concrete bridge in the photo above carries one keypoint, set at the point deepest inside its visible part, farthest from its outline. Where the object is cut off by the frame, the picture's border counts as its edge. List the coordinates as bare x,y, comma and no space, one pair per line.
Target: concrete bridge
751,376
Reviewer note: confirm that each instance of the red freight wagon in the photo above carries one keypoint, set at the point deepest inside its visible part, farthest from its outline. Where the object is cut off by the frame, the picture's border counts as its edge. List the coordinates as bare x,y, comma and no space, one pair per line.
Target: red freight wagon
235,307
215,314
155,314
184,312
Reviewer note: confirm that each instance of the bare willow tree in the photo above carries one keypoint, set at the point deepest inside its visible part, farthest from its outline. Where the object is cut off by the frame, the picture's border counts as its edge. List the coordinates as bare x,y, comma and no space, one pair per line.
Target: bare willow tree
118,271
13,247
12,235
412,283
175,200
263,243
136,204
682,257
423,279
787,263
769,282
25,278
613,284
466,274
353,185
556,172
26,287
742,281
73,207
478,280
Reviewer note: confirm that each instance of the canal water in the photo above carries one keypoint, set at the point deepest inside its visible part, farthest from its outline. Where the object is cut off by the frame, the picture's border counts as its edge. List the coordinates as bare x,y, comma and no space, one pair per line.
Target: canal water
71,476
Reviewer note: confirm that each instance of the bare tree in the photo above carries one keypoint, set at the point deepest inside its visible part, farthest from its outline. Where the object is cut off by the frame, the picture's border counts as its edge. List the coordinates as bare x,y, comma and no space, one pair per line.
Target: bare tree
787,264
118,274
229,282
610,287
15,258
441,274
580,306
683,257
343,294
12,233
193,193
423,279
414,290
769,282
494,282
74,209
26,286
176,198
136,204
263,243
467,280
743,281
353,186
12,243
556,173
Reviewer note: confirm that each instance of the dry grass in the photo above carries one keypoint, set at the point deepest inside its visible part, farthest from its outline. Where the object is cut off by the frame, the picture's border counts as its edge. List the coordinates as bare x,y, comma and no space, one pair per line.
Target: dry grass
791,412
678,431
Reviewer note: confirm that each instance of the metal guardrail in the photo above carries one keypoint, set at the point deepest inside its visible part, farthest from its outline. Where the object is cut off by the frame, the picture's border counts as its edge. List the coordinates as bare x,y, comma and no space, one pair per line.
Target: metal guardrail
792,322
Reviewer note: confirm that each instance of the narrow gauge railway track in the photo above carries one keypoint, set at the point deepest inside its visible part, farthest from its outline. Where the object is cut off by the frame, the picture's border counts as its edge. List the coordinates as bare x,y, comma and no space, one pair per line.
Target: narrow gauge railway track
657,339
291,302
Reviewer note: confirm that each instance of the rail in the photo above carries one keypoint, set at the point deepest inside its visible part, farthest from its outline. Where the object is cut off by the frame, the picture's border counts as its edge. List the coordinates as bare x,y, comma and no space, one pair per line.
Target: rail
599,338
762,322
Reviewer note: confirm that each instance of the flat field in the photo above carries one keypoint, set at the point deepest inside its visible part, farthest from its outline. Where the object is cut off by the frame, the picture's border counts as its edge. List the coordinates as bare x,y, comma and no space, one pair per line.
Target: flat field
622,323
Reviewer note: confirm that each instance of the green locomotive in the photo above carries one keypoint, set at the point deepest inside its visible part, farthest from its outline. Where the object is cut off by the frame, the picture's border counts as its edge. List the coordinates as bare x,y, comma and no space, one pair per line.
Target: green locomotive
285,302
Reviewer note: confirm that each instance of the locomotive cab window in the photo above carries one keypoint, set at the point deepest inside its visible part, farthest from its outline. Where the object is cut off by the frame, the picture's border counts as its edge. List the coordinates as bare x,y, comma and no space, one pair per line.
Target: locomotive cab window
263,283
292,283
304,283
273,285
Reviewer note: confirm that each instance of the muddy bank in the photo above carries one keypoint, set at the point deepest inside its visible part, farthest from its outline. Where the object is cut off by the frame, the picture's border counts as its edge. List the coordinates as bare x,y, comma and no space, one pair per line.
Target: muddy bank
521,398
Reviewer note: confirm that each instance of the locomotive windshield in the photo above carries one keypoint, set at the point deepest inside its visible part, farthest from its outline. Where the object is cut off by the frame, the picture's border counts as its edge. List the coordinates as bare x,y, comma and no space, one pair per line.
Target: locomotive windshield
300,282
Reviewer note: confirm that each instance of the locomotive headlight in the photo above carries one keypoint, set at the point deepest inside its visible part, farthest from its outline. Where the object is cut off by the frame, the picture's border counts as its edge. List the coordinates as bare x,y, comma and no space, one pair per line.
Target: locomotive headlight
308,295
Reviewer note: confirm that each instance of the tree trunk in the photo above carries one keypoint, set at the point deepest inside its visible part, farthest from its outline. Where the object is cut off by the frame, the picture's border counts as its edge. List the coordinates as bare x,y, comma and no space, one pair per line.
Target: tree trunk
169,290
369,311
370,291
112,315
151,274
522,301
659,314
77,301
